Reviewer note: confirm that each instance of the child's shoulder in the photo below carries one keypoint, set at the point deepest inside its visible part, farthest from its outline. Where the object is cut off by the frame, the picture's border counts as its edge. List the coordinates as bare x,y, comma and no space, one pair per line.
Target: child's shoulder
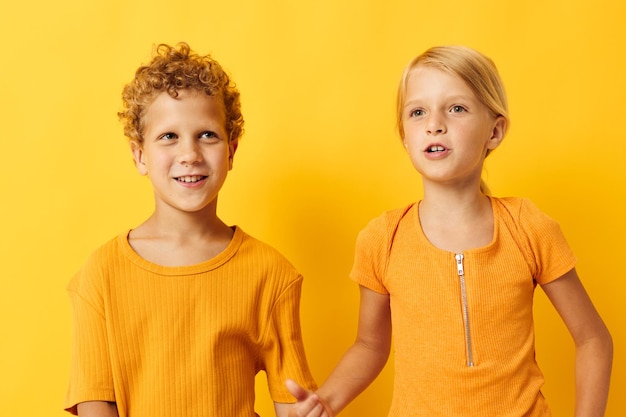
255,250
98,261
390,218
518,208
385,225
110,248
253,243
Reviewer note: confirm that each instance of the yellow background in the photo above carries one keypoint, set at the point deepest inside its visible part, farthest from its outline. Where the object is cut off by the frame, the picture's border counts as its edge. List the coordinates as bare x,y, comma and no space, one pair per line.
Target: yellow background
320,156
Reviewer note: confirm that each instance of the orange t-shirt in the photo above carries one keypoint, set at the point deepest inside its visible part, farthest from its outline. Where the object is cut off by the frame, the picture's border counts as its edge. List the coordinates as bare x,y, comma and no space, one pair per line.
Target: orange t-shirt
185,341
463,326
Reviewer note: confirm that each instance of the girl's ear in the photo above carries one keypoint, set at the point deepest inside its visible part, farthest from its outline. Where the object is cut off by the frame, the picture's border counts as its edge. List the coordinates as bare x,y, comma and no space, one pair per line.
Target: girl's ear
497,133
136,149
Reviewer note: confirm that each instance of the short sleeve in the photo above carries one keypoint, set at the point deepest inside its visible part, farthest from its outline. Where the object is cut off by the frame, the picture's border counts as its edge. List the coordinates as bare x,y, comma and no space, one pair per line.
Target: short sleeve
90,371
552,255
371,255
283,354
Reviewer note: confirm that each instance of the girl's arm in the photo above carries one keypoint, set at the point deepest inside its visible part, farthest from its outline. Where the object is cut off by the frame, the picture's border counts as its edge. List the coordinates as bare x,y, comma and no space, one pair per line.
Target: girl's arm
97,409
358,367
282,409
594,345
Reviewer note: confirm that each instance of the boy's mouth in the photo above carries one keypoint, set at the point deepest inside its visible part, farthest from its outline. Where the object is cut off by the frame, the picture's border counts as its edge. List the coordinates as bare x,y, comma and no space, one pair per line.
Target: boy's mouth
190,178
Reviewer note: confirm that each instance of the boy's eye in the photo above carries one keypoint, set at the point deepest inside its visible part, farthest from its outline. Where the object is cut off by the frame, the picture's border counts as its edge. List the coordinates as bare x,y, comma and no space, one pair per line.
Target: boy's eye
458,109
168,136
208,134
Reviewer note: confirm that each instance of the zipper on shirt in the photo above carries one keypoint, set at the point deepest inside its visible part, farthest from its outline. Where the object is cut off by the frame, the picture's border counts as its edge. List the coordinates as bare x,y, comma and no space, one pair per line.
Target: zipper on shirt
466,322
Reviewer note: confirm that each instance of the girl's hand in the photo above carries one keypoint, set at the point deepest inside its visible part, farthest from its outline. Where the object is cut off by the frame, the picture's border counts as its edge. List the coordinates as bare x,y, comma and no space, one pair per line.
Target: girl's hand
309,404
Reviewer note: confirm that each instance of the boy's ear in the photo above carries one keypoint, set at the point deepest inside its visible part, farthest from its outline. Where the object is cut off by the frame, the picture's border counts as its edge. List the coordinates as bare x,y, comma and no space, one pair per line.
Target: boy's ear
232,148
497,133
138,156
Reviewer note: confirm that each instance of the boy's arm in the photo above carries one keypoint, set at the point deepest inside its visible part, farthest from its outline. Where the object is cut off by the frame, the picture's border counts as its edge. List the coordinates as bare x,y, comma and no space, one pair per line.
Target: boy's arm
594,345
358,367
97,409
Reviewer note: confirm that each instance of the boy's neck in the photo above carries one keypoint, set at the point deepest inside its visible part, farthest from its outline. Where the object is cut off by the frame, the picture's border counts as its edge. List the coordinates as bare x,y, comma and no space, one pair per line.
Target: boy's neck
173,238
170,221
187,227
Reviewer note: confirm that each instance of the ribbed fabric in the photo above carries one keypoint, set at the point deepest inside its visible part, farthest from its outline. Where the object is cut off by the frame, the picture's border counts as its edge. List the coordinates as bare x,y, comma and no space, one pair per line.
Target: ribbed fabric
432,374
185,341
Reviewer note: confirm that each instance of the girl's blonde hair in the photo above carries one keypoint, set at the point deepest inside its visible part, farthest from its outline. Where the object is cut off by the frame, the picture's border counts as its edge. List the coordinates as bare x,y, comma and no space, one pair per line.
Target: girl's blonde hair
477,70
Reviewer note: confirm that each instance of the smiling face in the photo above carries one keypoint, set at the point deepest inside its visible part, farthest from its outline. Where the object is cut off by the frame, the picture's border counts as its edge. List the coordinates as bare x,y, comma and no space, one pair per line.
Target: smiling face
447,129
185,150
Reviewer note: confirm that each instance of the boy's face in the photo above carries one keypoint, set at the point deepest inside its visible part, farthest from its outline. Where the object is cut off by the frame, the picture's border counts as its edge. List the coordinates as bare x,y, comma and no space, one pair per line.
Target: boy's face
185,150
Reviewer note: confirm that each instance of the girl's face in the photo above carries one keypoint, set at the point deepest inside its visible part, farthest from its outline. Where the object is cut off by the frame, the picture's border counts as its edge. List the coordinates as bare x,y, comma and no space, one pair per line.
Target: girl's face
447,129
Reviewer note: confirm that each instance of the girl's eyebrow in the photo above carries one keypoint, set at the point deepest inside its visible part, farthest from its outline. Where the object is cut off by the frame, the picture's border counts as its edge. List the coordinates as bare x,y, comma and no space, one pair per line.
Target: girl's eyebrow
463,97
452,98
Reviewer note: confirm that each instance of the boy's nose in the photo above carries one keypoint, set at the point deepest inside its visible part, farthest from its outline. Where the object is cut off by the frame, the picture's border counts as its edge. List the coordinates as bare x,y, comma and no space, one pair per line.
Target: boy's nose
189,153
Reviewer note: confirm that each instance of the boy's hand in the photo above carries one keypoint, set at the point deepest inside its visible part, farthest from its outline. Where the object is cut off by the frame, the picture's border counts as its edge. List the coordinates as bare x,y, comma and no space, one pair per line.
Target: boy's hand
309,404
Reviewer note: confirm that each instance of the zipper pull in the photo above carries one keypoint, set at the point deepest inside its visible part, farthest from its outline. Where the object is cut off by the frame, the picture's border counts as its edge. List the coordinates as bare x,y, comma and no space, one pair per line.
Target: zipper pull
459,263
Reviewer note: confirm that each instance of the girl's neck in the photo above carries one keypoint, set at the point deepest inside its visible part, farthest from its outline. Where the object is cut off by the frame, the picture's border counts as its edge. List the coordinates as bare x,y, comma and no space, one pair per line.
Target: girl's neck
456,219
446,201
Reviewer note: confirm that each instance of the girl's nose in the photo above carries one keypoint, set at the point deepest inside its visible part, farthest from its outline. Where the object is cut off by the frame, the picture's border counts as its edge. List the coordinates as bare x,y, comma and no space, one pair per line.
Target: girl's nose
435,125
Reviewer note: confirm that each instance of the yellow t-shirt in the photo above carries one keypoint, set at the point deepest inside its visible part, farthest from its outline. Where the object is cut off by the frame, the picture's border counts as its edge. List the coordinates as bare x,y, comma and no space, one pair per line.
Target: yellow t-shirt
185,341
463,326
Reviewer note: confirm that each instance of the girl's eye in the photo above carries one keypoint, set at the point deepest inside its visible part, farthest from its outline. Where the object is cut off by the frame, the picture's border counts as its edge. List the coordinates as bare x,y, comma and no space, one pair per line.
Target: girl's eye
457,109
417,113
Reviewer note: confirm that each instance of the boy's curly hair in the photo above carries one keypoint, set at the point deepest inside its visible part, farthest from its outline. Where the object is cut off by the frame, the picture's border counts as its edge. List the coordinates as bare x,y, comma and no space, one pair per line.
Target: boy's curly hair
173,69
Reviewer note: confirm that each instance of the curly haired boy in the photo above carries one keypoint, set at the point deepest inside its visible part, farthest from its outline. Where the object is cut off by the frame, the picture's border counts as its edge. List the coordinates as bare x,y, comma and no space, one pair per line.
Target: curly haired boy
176,316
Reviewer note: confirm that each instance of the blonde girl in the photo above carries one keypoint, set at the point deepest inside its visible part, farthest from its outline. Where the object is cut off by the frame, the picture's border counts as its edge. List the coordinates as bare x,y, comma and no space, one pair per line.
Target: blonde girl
454,274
